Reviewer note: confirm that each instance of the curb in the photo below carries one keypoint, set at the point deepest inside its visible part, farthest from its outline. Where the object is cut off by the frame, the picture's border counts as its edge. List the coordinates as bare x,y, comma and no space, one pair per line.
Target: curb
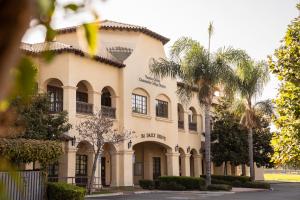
104,195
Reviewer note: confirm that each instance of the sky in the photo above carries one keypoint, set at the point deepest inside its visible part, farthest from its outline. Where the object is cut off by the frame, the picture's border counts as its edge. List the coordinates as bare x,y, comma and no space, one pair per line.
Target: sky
256,26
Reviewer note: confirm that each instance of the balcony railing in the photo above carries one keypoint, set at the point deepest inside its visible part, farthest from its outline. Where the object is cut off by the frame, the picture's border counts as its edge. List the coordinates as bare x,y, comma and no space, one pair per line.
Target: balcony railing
82,107
181,124
193,126
109,112
56,106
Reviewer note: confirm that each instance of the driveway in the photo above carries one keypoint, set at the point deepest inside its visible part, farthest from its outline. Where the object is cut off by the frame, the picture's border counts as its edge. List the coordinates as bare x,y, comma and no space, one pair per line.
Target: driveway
282,191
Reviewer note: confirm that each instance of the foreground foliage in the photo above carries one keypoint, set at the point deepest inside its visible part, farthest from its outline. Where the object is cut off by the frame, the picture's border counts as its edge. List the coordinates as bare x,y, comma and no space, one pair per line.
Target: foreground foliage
286,65
64,191
27,151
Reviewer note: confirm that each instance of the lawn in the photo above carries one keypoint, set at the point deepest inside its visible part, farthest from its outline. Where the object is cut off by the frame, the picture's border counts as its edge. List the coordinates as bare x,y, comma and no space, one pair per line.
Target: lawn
282,177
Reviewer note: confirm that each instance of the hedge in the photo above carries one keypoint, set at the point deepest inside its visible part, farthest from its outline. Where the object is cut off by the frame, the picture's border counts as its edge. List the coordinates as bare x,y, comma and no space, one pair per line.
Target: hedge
242,179
171,186
216,187
256,184
190,183
64,191
28,150
147,184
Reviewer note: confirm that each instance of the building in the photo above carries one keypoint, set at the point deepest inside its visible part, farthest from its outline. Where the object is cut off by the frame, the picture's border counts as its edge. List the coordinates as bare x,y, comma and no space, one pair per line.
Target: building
168,134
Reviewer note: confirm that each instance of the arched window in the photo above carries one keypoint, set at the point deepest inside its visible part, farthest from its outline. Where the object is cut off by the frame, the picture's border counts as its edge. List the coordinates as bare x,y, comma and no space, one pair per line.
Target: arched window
192,119
106,98
180,113
107,107
82,98
55,92
139,101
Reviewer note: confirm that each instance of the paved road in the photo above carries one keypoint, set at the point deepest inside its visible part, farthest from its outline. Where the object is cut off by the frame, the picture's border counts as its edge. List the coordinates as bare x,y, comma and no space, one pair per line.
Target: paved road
282,191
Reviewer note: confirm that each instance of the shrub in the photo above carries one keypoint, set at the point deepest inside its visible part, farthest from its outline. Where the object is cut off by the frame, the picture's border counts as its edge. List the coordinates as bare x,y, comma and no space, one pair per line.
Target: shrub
171,186
189,183
223,187
256,184
242,179
60,190
147,184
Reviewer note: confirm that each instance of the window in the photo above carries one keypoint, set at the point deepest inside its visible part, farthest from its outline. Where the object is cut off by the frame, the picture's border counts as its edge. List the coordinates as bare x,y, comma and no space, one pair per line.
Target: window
106,98
139,104
161,108
56,98
82,97
53,170
81,165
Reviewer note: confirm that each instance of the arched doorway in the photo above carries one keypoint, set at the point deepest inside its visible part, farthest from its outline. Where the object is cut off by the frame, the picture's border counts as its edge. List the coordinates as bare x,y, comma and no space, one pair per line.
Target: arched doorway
193,162
107,163
84,163
150,161
181,162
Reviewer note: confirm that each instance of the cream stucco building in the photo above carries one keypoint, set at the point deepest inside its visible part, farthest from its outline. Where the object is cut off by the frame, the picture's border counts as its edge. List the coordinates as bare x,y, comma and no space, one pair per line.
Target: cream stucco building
117,80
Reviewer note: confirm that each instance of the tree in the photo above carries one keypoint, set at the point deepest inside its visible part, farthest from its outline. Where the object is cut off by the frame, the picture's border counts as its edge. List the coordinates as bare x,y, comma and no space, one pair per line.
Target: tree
229,138
201,72
36,120
251,77
285,64
98,129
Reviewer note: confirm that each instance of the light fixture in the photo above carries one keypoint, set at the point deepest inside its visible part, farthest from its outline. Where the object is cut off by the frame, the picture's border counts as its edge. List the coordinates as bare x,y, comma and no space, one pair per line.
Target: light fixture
176,148
129,144
188,149
73,141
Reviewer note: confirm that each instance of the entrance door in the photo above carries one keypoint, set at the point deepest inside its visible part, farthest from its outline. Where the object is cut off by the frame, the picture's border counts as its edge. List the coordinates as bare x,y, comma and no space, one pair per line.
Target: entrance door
156,167
103,181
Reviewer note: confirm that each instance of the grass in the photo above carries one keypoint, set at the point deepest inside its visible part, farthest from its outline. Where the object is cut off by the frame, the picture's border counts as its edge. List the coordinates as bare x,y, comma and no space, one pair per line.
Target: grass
282,177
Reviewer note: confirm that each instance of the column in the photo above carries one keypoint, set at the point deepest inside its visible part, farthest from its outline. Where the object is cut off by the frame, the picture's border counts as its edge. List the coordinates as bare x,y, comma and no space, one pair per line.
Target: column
186,121
172,164
115,166
68,163
199,124
126,168
69,101
185,162
197,165
95,100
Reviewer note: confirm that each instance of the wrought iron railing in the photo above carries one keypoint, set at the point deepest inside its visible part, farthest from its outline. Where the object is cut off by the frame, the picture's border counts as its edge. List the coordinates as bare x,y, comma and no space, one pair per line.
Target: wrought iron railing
181,124
193,126
82,107
56,106
108,112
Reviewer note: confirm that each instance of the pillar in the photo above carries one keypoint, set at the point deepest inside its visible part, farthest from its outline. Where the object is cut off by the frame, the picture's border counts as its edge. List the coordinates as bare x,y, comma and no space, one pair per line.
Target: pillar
186,121
126,168
197,165
185,162
172,164
95,100
115,165
68,164
69,101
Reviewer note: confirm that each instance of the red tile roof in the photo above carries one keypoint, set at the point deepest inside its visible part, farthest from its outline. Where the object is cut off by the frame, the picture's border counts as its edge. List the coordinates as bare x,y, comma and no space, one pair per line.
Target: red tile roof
112,25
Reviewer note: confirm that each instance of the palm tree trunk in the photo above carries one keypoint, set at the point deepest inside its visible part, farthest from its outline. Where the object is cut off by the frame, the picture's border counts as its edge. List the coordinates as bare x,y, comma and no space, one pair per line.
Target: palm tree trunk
207,144
90,185
250,144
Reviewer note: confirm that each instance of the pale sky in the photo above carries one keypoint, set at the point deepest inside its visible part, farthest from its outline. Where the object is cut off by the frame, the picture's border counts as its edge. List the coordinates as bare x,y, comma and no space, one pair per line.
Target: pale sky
256,26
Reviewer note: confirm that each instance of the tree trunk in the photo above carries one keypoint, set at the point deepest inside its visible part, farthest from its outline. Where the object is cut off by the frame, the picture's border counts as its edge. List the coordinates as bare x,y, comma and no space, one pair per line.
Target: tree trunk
225,168
207,145
251,163
90,185
243,170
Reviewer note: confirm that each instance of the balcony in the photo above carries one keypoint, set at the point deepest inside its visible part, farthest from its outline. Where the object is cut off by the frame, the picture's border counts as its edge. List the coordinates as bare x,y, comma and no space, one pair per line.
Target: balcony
109,112
193,126
83,107
181,124
56,106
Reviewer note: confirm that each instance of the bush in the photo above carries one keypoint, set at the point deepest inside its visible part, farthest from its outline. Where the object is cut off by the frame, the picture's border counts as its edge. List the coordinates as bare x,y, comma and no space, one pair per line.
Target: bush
60,190
171,186
242,179
147,184
256,184
215,187
189,183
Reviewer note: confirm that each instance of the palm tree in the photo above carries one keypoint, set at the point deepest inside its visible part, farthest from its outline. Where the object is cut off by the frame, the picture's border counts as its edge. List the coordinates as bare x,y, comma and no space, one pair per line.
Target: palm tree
251,77
201,72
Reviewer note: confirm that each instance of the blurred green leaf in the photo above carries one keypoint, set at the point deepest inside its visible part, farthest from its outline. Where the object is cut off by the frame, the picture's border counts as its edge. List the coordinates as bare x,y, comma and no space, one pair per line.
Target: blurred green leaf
4,105
91,34
25,74
73,6
48,56
50,34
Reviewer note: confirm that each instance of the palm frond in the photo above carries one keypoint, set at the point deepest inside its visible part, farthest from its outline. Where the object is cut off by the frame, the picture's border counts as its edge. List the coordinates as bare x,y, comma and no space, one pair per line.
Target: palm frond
165,68
265,107
181,47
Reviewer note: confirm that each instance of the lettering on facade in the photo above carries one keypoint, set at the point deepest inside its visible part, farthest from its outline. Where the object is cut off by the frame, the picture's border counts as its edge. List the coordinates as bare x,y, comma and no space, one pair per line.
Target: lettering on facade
153,135
152,81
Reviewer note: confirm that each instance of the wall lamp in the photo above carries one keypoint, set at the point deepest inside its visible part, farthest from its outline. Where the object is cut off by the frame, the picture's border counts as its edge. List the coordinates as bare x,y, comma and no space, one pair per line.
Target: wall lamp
176,148
73,141
129,144
188,149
